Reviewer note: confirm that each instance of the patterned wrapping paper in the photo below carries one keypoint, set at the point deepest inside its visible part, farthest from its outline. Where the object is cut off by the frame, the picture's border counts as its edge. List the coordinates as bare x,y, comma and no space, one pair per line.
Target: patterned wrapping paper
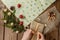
30,8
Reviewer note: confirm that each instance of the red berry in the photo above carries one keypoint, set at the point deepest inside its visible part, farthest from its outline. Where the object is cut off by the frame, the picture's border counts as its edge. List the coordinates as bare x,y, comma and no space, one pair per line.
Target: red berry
19,5
21,22
21,16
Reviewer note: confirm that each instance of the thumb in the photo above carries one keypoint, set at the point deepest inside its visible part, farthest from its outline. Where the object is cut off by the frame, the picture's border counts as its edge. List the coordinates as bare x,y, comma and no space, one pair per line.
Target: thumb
40,36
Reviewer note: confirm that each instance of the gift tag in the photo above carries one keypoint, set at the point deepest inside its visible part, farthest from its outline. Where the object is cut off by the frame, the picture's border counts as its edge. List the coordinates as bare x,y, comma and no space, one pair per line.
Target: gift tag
30,9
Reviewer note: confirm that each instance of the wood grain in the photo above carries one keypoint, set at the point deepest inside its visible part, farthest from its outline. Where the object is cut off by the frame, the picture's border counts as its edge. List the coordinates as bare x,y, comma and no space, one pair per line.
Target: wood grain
9,34
1,22
20,35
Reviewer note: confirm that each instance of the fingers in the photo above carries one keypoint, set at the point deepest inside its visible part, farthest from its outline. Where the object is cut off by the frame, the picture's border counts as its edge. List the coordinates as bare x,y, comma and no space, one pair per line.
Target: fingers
27,34
40,36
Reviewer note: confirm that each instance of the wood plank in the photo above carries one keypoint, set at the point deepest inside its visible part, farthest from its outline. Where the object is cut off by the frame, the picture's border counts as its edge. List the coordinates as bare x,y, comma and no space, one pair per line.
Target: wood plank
57,4
20,35
59,31
9,34
1,32
52,35
1,21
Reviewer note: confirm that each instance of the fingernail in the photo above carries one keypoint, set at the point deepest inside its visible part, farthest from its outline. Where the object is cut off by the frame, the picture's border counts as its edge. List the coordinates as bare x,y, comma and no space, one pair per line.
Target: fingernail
39,36
32,32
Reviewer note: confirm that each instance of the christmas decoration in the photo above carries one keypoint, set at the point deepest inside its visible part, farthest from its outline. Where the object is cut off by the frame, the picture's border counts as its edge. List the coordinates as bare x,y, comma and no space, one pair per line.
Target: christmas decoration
12,24
21,16
11,21
5,21
19,5
17,31
9,13
12,8
52,16
21,22
5,10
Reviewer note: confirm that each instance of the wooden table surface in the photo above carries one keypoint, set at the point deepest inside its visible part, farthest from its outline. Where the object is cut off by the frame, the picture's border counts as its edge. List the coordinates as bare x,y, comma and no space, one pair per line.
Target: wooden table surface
7,34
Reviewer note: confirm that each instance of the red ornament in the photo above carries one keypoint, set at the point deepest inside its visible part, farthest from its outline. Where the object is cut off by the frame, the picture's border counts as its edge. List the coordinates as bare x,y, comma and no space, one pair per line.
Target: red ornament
21,22
19,5
21,16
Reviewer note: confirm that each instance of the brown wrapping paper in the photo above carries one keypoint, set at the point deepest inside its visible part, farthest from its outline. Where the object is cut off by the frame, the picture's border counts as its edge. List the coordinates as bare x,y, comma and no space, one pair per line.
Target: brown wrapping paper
50,24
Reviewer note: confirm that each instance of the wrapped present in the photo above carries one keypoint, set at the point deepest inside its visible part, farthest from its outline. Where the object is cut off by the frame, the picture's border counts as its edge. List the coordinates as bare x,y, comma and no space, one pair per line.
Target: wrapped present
35,26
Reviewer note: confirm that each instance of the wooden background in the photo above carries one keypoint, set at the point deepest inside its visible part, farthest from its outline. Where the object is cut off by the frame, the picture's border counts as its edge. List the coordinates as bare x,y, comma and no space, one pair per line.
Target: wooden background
7,34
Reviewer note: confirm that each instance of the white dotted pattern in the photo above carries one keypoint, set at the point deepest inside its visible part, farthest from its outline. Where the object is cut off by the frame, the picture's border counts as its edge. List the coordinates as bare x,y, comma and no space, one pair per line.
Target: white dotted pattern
30,8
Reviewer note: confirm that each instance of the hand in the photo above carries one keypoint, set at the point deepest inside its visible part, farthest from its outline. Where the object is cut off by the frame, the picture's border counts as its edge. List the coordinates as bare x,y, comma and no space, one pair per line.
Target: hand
40,36
27,34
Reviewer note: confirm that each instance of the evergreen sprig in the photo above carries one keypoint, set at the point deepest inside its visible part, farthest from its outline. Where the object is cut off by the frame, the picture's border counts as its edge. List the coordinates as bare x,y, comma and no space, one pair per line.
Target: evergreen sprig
11,21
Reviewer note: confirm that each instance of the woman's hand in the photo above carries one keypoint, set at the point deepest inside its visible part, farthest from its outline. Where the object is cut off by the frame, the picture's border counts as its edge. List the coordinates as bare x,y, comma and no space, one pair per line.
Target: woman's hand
27,34
40,36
